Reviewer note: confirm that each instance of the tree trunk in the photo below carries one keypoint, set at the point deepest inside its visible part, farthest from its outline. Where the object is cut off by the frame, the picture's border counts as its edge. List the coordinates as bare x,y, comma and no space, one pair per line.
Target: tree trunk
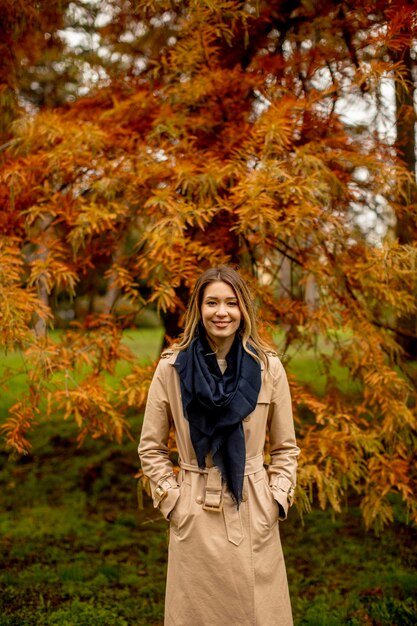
41,252
406,147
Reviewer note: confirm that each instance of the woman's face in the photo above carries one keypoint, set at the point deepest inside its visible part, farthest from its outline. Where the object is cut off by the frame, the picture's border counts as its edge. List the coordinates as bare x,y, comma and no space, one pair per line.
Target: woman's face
220,313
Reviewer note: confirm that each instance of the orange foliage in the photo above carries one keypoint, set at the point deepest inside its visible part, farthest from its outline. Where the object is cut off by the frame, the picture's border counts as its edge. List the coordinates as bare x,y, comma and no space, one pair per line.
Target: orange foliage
228,147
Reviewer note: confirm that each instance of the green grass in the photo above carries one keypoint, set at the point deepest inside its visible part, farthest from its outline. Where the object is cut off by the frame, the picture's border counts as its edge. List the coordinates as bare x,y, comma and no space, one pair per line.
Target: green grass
12,367
144,342
340,574
76,551
307,367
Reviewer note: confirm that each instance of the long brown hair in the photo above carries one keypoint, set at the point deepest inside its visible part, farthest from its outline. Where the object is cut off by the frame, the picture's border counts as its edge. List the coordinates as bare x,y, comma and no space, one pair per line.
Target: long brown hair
248,330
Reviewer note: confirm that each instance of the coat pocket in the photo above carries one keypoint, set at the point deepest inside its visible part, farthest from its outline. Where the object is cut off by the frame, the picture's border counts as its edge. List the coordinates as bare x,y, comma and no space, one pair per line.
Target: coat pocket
268,506
180,513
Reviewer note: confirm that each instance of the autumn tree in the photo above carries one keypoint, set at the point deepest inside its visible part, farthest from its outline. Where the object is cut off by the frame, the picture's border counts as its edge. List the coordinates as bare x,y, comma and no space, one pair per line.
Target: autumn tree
223,138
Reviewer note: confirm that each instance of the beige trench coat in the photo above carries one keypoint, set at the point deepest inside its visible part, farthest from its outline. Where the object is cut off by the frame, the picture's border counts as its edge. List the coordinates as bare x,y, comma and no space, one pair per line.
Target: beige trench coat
225,566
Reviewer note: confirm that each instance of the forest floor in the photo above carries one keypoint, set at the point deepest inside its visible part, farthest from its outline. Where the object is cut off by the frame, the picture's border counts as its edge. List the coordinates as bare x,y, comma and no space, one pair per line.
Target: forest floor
75,550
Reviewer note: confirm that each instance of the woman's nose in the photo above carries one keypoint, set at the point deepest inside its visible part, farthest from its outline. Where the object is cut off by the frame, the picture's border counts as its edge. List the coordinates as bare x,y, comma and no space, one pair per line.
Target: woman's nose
221,309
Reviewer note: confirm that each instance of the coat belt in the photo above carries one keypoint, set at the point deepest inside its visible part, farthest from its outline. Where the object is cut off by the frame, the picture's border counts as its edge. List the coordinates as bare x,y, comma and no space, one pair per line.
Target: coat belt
213,497
252,465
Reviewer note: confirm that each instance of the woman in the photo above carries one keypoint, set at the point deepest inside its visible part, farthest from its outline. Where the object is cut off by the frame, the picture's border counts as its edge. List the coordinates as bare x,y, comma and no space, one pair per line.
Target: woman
222,389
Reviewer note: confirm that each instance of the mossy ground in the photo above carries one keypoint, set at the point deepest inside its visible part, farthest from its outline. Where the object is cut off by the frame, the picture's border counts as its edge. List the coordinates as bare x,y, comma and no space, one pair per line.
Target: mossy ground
76,551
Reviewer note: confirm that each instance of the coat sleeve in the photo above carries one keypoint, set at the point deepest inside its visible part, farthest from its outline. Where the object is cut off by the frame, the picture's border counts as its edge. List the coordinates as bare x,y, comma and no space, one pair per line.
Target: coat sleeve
153,445
283,447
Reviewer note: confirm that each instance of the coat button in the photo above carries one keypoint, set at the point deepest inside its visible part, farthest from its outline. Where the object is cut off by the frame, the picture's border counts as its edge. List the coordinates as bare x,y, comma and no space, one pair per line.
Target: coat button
199,499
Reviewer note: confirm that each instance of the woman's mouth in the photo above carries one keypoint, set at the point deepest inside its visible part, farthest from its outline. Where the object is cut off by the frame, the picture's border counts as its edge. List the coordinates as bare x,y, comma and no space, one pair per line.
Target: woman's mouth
221,324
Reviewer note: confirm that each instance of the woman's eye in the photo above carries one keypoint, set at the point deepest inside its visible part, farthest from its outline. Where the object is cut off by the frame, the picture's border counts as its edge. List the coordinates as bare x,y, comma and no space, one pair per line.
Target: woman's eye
214,303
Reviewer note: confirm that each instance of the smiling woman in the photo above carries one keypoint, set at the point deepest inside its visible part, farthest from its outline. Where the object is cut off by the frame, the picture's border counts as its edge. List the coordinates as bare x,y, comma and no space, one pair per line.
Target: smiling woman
222,388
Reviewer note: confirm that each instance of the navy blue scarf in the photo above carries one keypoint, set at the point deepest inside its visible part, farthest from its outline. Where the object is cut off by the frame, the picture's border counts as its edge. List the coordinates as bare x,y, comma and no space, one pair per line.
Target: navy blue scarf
215,405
